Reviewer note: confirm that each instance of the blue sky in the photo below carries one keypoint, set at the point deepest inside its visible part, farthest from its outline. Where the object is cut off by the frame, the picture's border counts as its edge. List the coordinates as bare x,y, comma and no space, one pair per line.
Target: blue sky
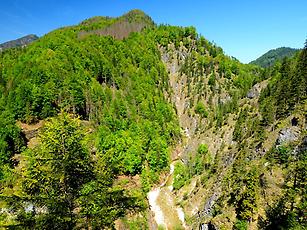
245,29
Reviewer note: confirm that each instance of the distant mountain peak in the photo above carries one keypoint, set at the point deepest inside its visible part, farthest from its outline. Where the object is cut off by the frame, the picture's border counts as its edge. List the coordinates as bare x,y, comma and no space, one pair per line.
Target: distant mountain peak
117,27
273,55
135,12
20,42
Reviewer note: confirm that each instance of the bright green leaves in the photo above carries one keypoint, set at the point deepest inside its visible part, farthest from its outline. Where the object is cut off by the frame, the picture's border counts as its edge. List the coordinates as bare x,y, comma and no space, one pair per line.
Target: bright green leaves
241,225
62,186
158,154
180,175
127,151
195,164
57,169
201,110
247,204
202,149
286,88
11,141
123,150
201,161
165,35
117,85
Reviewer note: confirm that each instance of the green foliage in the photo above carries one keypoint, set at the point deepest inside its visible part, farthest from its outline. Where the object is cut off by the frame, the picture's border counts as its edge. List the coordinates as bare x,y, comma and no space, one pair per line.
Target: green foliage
286,89
247,125
56,171
202,149
240,225
238,132
282,154
201,109
117,86
245,187
288,213
212,80
195,164
165,35
11,141
271,57
202,161
139,222
247,205
180,175
61,187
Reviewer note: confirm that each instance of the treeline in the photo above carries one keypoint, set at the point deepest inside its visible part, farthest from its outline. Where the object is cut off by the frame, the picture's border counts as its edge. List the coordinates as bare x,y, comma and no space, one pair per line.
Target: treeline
210,73
271,57
286,92
286,89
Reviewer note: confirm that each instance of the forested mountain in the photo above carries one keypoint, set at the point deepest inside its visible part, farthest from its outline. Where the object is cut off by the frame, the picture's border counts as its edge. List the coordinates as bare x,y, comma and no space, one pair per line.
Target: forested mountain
20,42
274,55
118,122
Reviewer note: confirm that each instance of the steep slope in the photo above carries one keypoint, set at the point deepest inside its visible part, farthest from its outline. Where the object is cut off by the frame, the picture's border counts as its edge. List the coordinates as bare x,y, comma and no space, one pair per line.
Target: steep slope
199,73
116,87
272,56
117,122
119,28
242,180
20,42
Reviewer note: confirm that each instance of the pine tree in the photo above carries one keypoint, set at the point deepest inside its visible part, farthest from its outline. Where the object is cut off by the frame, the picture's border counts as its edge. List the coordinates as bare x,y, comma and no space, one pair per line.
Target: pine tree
56,170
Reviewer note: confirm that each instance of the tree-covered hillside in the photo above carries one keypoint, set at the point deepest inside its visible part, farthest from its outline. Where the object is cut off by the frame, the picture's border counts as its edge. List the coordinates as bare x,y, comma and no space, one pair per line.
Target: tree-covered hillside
93,117
274,55
117,87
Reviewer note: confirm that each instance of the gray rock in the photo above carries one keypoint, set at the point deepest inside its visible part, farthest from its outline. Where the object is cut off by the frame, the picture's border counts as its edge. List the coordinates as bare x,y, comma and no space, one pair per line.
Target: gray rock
203,226
287,135
225,99
209,204
165,57
254,91
227,160
300,148
174,68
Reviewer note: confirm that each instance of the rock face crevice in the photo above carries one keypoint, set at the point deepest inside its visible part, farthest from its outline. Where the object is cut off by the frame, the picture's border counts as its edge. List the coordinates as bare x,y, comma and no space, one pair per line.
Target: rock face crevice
174,59
231,126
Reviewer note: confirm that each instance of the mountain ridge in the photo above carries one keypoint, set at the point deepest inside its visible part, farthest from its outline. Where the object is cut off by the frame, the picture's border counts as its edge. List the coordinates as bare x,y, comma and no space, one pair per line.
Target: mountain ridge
19,42
153,125
117,27
272,56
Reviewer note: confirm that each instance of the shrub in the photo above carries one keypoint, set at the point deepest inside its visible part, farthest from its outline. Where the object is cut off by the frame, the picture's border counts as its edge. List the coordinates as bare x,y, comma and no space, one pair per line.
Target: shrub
240,225
201,110
180,176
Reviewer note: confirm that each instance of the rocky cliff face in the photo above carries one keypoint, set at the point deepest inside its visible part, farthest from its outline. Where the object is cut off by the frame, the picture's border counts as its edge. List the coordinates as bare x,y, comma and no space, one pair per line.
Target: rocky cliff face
236,161
236,147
